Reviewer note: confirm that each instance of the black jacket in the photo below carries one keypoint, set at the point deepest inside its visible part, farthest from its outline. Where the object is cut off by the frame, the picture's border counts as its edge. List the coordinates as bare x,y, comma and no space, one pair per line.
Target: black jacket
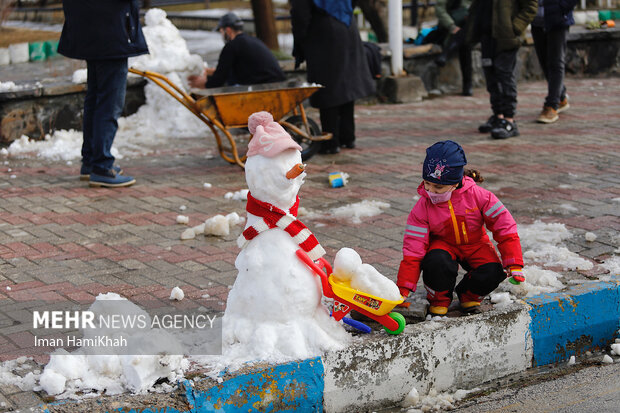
245,60
334,55
101,30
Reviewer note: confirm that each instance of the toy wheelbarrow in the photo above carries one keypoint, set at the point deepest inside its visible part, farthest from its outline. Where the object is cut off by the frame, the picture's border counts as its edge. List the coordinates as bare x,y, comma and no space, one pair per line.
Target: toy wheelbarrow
347,299
226,108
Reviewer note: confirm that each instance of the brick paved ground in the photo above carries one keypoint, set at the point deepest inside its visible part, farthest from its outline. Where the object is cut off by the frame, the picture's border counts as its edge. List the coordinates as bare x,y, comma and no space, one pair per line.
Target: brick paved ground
60,240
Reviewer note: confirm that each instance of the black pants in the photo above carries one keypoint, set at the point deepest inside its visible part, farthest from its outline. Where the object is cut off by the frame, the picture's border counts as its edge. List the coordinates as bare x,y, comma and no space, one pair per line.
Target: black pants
338,120
551,51
439,272
456,42
501,79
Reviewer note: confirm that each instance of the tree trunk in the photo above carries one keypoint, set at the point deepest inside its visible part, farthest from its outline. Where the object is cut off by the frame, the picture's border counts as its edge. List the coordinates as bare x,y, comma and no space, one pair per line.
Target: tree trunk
265,23
375,12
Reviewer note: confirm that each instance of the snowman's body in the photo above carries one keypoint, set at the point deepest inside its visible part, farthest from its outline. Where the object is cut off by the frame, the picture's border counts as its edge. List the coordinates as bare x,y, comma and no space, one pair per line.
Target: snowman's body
274,309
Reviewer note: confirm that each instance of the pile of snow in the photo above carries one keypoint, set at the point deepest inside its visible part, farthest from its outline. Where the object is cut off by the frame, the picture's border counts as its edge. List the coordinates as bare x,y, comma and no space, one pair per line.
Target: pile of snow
159,118
62,146
365,208
612,265
218,225
433,401
155,357
542,243
10,87
348,266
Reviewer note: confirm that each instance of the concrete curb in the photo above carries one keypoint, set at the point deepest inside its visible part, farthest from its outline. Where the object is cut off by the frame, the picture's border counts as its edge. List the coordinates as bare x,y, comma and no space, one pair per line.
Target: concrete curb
379,370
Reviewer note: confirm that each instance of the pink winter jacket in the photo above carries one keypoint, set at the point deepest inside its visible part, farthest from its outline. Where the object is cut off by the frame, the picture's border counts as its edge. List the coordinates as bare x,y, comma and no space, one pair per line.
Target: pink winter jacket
460,221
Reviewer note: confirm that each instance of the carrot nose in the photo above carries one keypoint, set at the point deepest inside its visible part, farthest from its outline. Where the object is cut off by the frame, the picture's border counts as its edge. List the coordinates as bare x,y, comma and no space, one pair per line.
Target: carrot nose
295,171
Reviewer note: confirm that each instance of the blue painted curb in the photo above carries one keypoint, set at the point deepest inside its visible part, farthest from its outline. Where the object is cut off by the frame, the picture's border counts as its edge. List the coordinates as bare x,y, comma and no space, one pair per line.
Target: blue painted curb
585,318
291,387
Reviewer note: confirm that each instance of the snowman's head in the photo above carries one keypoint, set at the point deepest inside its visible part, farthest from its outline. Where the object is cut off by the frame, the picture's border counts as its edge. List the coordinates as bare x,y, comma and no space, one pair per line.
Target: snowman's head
273,169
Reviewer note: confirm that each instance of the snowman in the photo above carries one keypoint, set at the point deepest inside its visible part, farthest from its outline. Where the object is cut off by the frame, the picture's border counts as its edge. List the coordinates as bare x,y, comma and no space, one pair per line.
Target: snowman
274,310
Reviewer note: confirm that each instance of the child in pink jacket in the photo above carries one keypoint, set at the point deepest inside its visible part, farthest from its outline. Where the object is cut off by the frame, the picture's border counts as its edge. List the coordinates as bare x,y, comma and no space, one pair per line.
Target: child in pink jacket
446,228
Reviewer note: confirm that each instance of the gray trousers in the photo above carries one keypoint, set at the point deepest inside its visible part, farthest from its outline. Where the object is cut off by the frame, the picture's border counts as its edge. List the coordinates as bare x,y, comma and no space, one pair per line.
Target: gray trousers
551,51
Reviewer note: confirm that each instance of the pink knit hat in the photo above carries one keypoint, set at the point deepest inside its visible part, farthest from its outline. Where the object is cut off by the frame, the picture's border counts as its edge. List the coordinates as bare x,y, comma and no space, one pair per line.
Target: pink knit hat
269,137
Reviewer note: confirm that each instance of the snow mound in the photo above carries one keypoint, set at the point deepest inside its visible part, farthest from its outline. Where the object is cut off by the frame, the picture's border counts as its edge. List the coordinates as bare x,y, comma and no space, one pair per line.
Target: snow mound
348,266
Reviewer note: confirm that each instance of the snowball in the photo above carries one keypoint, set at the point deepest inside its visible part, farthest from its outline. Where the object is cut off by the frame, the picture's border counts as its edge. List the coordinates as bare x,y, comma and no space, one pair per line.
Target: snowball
411,399
241,195
80,76
571,361
615,349
8,288
182,219
234,219
188,234
346,263
364,277
206,185
177,294
182,208
590,236
217,225
607,359
501,299
52,382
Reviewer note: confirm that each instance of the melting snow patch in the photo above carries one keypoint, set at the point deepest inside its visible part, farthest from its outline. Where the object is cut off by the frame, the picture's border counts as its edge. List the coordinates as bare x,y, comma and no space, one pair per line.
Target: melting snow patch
354,212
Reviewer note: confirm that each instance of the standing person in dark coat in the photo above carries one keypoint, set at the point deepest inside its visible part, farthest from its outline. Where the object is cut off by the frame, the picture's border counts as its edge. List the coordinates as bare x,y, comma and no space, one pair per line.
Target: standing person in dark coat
326,37
498,25
244,60
105,34
549,31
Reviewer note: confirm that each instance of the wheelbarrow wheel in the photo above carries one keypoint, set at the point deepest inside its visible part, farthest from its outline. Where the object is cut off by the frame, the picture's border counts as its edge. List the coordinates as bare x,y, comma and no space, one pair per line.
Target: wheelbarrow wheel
309,148
400,319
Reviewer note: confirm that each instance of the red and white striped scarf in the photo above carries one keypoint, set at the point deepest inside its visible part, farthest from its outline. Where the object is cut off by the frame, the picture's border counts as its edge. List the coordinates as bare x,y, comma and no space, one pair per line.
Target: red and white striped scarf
287,221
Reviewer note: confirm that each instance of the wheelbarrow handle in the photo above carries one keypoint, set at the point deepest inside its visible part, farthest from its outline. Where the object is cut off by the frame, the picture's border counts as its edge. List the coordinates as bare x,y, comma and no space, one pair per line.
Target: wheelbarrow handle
327,289
356,324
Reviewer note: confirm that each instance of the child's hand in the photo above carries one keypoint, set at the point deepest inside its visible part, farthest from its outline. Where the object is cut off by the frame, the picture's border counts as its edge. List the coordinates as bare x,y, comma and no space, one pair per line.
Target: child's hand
516,274
404,291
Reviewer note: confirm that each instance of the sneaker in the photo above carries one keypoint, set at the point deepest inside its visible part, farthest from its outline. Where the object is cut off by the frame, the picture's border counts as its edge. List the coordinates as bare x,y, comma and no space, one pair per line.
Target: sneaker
86,170
436,311
471,307
505,129
110,179
548,115
487,126
563,105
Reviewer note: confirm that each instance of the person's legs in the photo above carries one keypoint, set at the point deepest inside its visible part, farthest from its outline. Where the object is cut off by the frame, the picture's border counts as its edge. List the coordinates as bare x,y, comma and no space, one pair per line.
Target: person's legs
439,271
479,282
466,69
556,56
90,102
347,125
504,64
111,84
330,122
540,46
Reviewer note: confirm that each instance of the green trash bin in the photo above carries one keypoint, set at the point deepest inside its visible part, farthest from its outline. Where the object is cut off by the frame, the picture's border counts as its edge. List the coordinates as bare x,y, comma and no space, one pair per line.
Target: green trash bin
615,14
604,15
36,51
51,48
